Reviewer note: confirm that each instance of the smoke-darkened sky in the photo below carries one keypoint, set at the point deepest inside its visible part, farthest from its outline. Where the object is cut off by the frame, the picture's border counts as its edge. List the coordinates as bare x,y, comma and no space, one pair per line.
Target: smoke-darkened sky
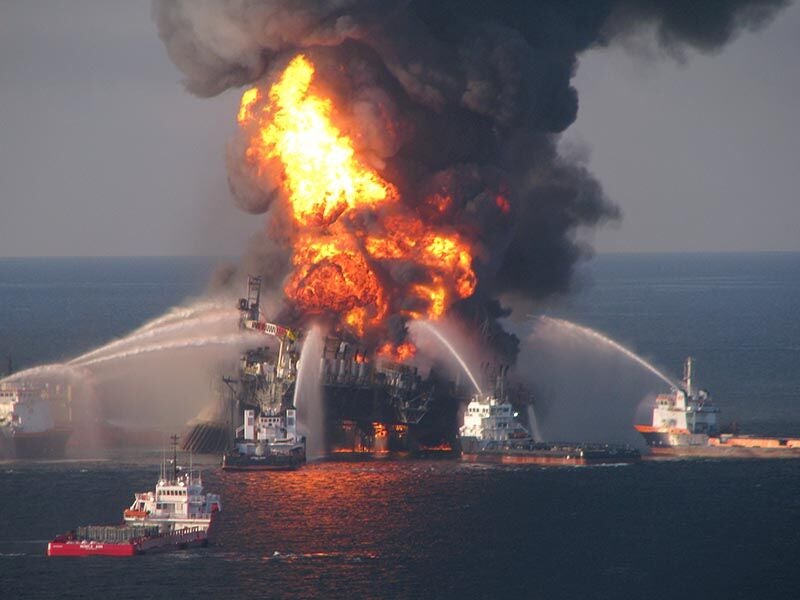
104,153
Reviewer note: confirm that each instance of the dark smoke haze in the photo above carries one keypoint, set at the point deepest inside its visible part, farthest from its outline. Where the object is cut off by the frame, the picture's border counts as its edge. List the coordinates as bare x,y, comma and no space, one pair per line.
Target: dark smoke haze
457,97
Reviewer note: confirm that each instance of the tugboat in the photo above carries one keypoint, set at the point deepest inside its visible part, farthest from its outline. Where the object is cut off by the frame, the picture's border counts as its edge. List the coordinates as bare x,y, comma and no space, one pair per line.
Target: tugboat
491,433
174,516
685,424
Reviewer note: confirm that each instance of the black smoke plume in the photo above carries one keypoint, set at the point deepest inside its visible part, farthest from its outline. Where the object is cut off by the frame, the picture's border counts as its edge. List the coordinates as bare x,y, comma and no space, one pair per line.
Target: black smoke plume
460,97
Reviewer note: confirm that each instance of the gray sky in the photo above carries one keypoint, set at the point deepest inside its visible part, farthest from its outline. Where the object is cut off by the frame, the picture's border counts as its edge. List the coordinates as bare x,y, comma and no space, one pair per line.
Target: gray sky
104,153
703,156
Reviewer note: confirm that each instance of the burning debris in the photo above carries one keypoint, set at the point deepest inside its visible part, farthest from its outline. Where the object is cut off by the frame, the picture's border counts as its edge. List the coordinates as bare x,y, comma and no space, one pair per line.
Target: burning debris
406,151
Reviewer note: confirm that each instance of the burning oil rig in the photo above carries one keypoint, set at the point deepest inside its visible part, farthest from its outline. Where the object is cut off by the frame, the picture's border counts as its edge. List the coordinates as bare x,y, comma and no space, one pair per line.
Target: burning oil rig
371,404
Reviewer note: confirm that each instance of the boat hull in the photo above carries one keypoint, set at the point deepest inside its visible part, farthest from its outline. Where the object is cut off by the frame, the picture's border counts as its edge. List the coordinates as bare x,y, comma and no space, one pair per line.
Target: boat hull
723,451
555,455
682,444
88,548
40,445
237,462
179,540
516,459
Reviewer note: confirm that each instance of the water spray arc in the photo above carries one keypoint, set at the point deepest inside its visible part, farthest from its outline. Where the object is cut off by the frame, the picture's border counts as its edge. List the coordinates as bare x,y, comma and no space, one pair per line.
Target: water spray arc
199,321
57,370
429,327
533,423
200,342
166,332
591,334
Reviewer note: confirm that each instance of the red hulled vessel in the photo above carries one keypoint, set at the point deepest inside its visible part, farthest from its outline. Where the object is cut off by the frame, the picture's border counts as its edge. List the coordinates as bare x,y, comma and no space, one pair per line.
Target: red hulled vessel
177,514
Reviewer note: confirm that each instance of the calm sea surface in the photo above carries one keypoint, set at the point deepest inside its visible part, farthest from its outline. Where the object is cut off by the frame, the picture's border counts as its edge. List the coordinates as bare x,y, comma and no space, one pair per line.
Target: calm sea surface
440,529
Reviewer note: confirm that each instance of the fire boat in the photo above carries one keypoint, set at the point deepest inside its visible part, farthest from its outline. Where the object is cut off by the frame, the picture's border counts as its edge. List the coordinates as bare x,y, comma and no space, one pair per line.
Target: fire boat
686,423
491,433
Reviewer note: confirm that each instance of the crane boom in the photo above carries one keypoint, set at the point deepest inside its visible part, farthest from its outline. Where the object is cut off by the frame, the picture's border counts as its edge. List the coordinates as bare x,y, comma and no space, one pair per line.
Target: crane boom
250,309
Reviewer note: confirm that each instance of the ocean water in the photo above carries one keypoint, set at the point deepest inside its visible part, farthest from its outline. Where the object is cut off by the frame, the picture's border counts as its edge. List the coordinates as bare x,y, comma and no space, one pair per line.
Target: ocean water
442,529
53,309
737,315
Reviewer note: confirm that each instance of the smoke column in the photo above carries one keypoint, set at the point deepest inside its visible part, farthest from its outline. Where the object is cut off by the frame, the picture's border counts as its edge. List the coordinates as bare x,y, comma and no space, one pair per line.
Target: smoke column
459,104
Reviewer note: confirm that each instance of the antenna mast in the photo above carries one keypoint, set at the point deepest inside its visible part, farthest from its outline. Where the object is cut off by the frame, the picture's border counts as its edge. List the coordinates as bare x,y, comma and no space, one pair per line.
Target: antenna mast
174,439
687,376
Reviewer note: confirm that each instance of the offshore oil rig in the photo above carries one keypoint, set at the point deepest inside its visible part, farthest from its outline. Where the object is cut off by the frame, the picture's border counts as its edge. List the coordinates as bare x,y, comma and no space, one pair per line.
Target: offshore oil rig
371,404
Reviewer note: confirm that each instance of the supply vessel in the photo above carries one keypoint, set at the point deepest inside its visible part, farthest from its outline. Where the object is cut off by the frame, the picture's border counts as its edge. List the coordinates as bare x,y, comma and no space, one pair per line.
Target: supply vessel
686,423
177,514
491,433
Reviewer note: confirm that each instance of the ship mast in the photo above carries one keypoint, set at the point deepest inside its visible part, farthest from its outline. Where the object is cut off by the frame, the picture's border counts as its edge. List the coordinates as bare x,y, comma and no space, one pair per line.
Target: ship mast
174,439
687,376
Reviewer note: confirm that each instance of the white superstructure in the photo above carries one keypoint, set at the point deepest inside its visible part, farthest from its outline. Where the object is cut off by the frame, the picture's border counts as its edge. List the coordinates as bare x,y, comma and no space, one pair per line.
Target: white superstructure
685,411
178,502
34,422
25,410
271,433
486,419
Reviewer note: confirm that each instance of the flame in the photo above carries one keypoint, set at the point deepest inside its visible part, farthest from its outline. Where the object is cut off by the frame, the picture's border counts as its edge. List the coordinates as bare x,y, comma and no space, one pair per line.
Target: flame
245,109
399,352
341,268
446,256
323,176
332,274
502,203
440,202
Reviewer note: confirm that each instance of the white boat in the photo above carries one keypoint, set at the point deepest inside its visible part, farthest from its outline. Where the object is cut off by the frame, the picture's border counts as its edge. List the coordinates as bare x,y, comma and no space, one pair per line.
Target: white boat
267,442
28,425
178,514
686,423
488,419
178,502
491,433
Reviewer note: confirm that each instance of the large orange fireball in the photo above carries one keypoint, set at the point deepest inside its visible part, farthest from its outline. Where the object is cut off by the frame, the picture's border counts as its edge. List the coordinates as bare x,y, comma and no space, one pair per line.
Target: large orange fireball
323,176
341,268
